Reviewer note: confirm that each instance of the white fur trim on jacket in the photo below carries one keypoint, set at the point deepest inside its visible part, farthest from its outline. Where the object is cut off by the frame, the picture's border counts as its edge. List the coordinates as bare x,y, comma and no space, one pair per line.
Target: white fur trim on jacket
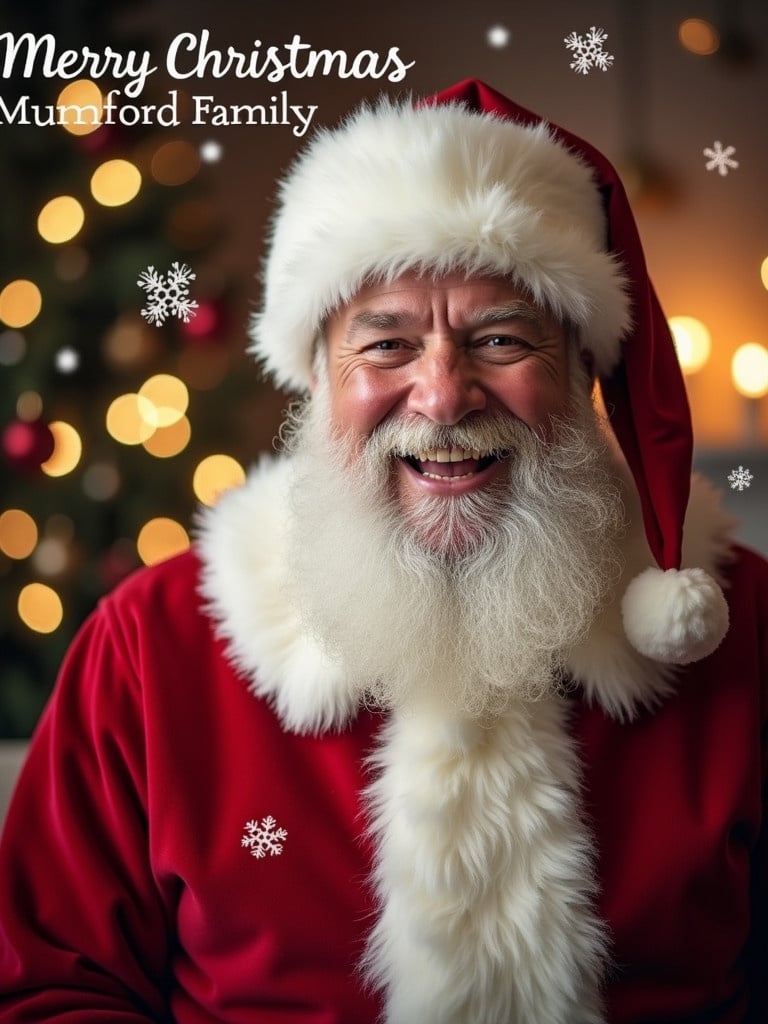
435,188
484,869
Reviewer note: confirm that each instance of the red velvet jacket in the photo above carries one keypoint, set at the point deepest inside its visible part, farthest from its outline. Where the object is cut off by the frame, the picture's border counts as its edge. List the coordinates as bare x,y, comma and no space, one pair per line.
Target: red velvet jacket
172,853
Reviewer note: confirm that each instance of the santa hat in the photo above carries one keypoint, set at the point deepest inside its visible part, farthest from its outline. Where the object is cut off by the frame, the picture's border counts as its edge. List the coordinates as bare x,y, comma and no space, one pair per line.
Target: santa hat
469,180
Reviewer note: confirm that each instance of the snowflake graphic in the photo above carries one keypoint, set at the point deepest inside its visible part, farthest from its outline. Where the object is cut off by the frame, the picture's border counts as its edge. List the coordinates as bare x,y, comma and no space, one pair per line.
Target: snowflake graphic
720,158
168,295
588,51
263,838
740,478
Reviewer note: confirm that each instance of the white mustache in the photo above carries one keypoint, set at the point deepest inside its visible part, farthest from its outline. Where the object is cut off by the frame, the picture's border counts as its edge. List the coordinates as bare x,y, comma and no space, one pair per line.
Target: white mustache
495,434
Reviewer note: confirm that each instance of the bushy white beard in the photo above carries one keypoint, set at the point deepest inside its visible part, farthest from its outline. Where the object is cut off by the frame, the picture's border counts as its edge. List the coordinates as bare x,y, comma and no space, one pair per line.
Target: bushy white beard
470,601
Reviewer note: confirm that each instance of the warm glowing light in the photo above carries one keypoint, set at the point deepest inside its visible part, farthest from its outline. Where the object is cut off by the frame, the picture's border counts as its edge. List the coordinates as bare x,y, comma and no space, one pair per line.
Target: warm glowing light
693,342
764,272
214,475
20,302
175,163
160,539
211,151
749,370
115,182
29,406
40,608
169,441
698,36
84,104
18,533
168,395
60,219
130,419
67,449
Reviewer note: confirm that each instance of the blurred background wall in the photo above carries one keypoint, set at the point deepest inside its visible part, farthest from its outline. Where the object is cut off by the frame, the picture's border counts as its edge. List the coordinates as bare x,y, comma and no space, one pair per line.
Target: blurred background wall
115,428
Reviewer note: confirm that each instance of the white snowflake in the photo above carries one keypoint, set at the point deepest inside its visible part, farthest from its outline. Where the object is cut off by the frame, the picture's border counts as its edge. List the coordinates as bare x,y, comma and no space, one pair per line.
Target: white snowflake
720,158
263,838
588,51
740,478
168,295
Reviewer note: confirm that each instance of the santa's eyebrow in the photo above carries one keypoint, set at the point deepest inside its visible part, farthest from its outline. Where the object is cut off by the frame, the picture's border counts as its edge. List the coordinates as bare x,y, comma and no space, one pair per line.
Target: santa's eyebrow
369,319
483,316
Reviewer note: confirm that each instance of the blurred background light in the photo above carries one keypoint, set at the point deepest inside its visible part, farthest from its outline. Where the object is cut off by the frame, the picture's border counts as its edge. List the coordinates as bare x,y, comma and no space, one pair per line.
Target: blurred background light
67,449
214,475
40,608
115,182
692,342
88,103
18,533
60,219
749,370
161,538
20,303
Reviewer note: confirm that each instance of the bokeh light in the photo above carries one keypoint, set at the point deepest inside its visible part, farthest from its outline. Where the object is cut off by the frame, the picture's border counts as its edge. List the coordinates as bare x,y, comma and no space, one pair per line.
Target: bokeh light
764,272
211,151
749,370
130,419
693,342
698,36
161,538
101,481
175,163
169,441
214,475
20,303
18,533
51,556
40,608
13,347
115,182
67,359
498,36
60,219
29,406
168,395
86,104
67,449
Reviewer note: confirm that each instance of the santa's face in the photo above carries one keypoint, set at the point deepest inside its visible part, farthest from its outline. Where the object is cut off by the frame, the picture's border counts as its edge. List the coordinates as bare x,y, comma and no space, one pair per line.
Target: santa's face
444,352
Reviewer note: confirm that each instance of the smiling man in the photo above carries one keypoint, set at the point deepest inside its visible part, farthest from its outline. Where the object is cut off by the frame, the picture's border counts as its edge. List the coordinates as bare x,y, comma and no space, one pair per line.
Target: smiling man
443,720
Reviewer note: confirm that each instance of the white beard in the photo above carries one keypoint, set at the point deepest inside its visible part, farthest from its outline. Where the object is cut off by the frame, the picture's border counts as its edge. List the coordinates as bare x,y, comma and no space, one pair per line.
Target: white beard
471,601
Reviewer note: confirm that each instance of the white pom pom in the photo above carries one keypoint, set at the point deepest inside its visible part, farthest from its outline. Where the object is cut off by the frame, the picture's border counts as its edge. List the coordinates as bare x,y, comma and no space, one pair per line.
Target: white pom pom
675,616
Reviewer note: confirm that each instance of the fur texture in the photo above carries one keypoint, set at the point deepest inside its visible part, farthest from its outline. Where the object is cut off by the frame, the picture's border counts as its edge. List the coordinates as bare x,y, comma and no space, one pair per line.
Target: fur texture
438,189
484,872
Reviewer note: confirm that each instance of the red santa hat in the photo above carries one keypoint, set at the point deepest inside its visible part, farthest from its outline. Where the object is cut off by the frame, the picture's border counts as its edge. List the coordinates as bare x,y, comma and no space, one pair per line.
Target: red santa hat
469,180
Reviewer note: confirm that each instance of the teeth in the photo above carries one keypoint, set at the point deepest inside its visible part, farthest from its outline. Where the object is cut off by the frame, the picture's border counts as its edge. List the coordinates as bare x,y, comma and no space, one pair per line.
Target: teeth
436,476
450,454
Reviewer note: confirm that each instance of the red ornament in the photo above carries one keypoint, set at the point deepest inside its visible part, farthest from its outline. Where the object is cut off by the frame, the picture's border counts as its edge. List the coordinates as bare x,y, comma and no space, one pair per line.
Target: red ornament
27,444
209,323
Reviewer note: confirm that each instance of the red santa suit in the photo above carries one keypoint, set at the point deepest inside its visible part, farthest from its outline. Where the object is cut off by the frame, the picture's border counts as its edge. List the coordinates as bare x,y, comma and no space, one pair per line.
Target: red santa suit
209,829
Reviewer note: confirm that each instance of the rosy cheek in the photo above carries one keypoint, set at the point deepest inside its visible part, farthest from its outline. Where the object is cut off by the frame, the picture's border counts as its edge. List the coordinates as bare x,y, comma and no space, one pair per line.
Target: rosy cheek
365,399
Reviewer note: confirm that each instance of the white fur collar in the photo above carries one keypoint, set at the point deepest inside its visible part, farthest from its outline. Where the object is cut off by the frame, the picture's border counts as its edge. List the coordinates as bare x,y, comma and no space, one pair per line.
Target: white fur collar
242,544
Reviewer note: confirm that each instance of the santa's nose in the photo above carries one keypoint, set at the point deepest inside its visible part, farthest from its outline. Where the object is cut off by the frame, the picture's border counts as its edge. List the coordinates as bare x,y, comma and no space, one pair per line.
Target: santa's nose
444,385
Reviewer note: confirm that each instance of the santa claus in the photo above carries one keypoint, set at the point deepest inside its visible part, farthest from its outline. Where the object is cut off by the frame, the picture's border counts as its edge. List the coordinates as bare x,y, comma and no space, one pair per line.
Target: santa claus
456,668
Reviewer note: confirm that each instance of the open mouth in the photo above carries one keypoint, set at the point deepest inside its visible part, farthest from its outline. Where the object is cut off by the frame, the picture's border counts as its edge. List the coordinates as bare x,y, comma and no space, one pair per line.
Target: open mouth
450,463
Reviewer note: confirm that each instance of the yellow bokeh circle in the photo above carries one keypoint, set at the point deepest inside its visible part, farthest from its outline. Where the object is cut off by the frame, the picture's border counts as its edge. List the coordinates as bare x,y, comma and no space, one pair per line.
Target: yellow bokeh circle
693,342
131,419
40,608
18,533
168,395
115,182
20,303
60,219
84,107
161,538
67,449
749,370
214,475
169,441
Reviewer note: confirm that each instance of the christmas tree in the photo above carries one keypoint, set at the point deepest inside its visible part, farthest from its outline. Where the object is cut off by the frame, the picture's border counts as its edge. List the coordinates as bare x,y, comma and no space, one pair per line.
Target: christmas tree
122,387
